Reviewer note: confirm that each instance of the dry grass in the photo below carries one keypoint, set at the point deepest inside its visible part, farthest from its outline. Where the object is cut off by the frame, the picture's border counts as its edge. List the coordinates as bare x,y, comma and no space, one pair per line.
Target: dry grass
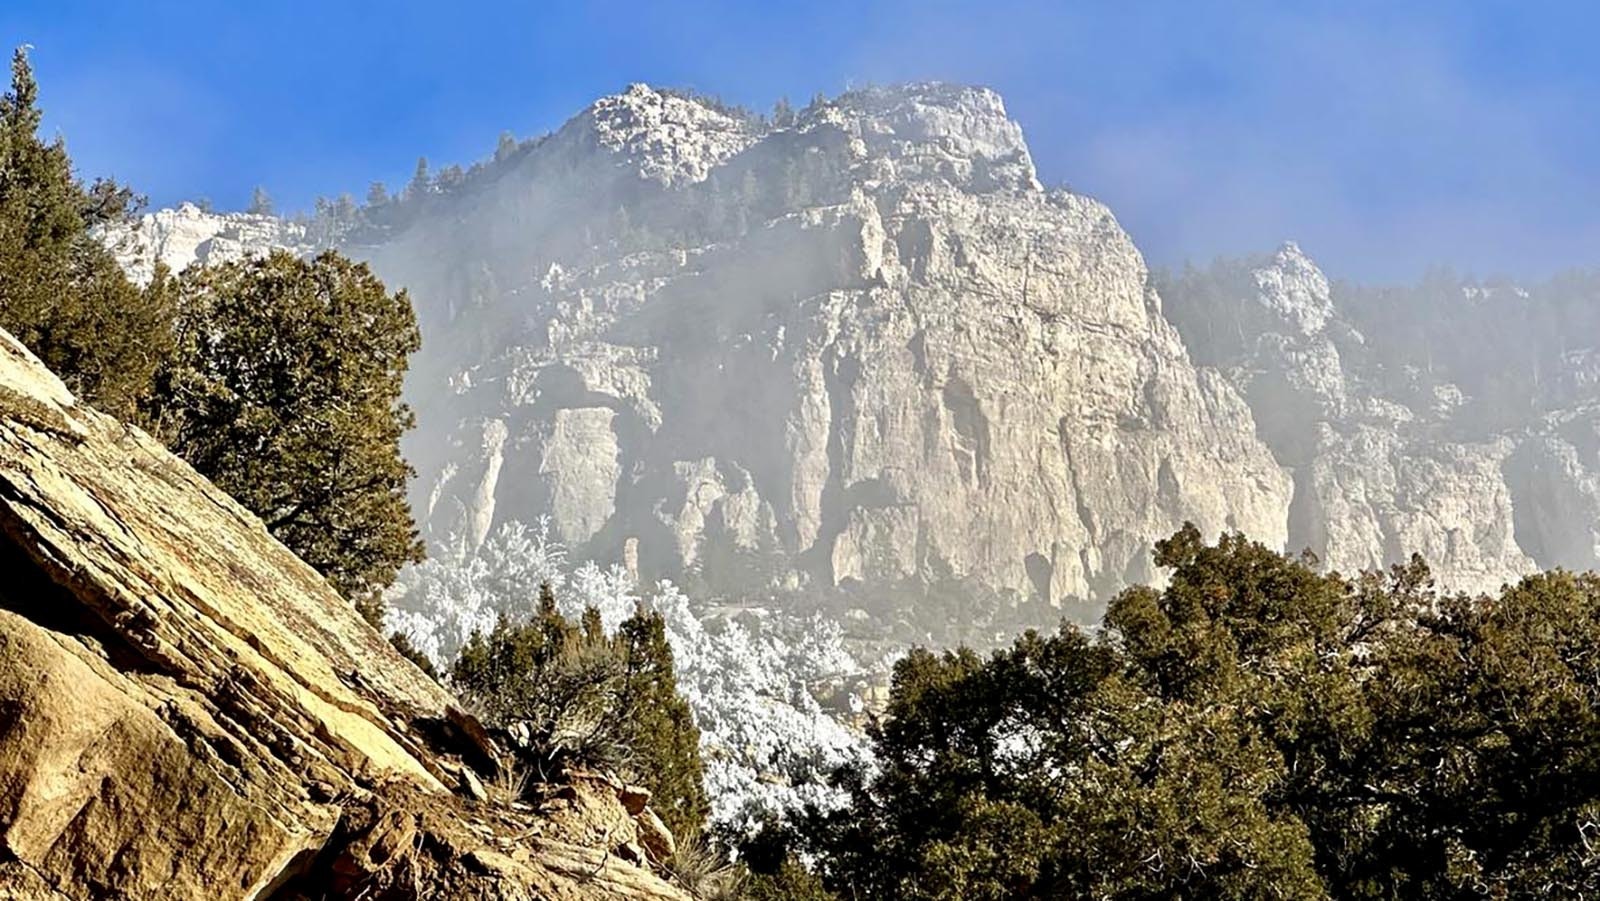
702,869
510,782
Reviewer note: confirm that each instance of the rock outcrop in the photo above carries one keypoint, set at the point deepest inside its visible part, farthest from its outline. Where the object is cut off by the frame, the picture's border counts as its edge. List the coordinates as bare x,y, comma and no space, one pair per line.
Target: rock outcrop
188,711
1397,448
181,237
865,342
860,343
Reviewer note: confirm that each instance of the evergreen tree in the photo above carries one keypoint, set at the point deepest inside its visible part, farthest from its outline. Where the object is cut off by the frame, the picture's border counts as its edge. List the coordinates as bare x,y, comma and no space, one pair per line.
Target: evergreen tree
592,700
1255,729
450,178
107,201
345,212
62,293
377,195
666,744
782,113
284,390
418,187
260,202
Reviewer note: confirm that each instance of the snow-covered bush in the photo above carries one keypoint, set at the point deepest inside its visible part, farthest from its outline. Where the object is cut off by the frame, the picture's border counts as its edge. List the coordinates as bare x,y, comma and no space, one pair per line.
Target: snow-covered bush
767,743
438,604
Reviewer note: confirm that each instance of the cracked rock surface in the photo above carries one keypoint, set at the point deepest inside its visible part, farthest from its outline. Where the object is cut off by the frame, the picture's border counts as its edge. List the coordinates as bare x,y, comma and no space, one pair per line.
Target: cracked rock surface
865,340
188,711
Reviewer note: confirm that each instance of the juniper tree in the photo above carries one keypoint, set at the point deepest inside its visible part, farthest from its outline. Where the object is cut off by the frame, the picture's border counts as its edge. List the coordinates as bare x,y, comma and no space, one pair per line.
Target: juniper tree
666,744
588,699
1254,729
284,390
61,293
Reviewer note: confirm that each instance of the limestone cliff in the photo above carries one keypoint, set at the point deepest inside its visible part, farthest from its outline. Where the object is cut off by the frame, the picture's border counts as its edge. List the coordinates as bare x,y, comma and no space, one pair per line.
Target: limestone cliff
862,343
865,341
1416,419
188,711
181,237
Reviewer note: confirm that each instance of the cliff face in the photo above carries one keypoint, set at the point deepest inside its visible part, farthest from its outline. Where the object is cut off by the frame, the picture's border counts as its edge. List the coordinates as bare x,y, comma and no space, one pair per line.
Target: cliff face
866,342
188,235
1414,420
188,711
861,344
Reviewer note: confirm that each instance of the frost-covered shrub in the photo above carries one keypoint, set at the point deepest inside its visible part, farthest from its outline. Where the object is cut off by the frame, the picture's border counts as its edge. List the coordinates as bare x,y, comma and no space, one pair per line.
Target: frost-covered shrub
438,604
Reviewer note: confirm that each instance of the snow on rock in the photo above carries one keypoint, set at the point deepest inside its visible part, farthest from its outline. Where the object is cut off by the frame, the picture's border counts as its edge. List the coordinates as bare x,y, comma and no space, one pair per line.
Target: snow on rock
668,137
867,342
864,339
187,235
767,742
1387,460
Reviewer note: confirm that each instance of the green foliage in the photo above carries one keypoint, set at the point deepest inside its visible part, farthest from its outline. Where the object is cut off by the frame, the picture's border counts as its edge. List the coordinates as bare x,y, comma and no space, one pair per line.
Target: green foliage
61,293
402,643
791,881
664,739
581,698
1254,730
277,379
700,866
284,390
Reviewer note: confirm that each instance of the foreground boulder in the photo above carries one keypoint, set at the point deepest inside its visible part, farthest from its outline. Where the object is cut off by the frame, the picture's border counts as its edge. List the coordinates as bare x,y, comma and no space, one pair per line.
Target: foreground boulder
188,711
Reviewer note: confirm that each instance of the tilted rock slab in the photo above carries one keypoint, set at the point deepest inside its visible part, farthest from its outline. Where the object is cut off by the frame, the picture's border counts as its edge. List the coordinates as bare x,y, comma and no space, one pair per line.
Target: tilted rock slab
188,711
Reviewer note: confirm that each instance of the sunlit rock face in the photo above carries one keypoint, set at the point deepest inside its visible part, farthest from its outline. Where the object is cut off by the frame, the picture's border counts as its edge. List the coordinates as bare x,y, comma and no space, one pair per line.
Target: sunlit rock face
865,341
861,342
189,712
187,235
1445,419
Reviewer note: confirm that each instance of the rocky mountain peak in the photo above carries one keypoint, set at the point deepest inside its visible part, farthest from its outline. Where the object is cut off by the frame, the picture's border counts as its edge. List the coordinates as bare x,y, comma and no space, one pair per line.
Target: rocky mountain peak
1294,289
959,132
670,136
679,324
756,358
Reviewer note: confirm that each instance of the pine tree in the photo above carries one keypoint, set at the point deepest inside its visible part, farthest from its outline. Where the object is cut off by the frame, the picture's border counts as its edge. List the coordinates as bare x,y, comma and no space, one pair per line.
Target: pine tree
61,292
107,201
260,202
377,195
345,212
284,390
418,187
782,113
450,178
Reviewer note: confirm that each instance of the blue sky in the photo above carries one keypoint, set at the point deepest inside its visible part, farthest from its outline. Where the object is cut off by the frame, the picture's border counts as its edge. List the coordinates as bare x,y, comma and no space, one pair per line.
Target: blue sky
1383,138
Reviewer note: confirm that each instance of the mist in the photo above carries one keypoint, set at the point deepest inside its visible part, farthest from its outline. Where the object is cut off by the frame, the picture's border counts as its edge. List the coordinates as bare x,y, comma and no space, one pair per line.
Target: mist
930,450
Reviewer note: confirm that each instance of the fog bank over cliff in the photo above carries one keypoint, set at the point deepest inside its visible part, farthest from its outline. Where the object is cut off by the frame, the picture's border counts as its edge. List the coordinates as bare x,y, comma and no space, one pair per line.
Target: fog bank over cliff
860,346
